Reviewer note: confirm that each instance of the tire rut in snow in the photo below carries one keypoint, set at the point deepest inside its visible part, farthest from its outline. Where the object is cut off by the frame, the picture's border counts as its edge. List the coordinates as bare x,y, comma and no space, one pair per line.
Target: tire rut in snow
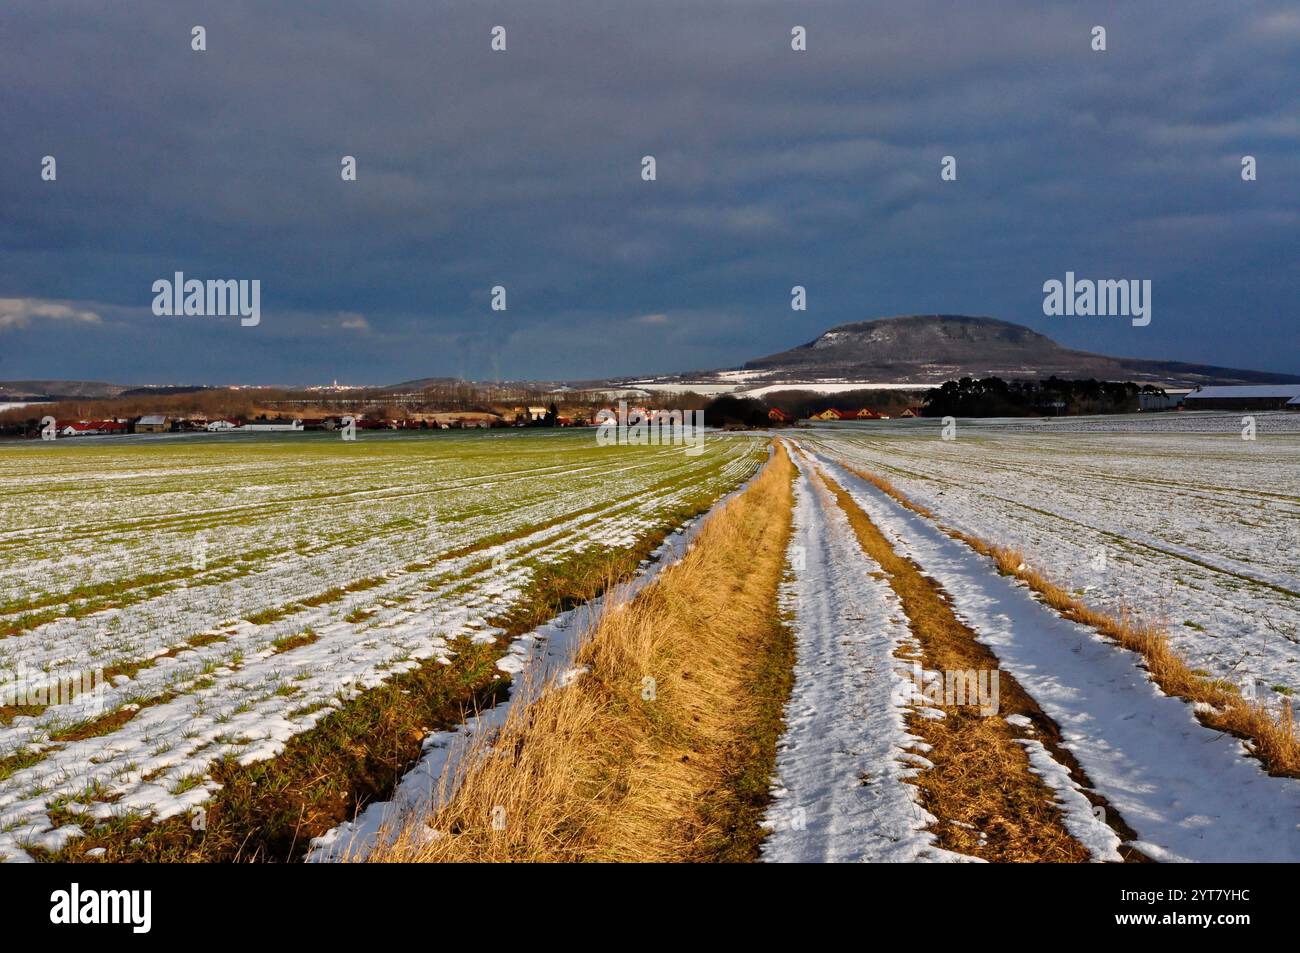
840,792
1000,783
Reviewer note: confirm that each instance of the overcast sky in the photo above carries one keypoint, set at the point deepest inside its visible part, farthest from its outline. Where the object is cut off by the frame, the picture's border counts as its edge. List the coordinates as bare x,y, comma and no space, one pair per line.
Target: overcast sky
523,169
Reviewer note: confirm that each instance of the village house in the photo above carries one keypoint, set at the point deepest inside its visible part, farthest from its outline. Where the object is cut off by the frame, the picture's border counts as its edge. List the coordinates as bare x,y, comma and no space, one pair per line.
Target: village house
153,423
531,414
831,413
778,416
319,423
273,424
468,419
222,424
1165,401
77,428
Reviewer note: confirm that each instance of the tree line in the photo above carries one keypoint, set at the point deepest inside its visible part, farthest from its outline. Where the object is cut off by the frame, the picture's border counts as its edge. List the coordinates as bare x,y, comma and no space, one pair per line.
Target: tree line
995,397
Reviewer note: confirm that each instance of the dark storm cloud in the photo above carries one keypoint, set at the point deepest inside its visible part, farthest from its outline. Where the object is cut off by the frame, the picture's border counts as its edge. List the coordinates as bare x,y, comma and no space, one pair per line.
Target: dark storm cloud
522,169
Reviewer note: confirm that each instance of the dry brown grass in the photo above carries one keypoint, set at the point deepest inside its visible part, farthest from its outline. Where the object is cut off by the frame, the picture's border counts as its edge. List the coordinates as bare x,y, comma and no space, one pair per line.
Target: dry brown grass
981,783
1270,733
595,770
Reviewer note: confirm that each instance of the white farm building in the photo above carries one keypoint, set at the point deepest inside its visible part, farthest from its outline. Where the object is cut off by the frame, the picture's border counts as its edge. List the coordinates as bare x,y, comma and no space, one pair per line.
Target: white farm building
1245,397
273,423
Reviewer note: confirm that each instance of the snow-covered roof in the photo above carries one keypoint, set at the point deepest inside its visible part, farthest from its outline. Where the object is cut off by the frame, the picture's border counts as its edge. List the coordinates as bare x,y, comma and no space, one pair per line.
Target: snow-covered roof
1248,390
149,419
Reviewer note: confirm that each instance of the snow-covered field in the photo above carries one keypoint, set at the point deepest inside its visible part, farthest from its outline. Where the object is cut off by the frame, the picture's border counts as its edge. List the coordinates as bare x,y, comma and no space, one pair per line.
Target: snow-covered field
830,387
738,383
234,591
1188,792
1173,515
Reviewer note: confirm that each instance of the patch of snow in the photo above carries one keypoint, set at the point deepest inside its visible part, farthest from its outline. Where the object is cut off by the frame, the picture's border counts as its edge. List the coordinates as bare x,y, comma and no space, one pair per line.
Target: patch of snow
842,762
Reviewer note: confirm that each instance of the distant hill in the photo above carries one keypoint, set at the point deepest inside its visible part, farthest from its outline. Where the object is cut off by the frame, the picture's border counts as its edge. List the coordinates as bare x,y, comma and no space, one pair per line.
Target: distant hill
415,386
932,348
86,390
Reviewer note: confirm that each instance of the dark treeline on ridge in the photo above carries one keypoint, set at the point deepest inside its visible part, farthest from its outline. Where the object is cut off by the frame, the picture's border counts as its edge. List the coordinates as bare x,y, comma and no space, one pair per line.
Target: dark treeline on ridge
994,397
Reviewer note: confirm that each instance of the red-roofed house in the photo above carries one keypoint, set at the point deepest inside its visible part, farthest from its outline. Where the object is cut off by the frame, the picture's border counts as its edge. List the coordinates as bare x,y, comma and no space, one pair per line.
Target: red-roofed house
78,428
